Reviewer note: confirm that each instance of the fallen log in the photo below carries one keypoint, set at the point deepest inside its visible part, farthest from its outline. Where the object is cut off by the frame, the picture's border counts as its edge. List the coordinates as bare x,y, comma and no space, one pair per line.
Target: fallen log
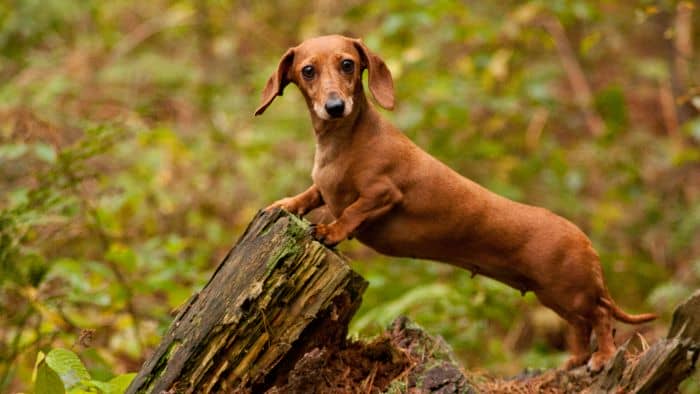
275,296
273,319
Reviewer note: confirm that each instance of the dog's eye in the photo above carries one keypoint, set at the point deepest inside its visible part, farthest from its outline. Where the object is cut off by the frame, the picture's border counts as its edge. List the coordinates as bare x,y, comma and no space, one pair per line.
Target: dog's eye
308,72
347,65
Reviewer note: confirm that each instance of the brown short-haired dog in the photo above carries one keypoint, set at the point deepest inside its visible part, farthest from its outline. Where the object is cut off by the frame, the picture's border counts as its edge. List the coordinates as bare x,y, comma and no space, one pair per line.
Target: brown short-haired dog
399,200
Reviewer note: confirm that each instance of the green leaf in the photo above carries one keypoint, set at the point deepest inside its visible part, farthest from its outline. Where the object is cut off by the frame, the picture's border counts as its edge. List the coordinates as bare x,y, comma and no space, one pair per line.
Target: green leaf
384,313
68,366
82,390
117,385
610,102
692,128
12,151
669,293
48,381
121,382
45,152
103,387
123,255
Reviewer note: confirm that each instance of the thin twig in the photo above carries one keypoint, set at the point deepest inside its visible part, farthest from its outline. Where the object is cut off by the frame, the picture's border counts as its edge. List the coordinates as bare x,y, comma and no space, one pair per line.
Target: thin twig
668,110
681,78
535,127
170,18
15,348
574,72
683,43
370,379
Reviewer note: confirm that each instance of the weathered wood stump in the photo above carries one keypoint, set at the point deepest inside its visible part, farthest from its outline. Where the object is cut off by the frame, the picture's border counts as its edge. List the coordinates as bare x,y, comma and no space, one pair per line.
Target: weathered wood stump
275,296
273,319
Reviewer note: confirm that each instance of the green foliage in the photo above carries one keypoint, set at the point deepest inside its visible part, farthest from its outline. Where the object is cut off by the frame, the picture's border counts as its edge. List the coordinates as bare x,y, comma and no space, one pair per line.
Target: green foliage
130,161
68,366
61,371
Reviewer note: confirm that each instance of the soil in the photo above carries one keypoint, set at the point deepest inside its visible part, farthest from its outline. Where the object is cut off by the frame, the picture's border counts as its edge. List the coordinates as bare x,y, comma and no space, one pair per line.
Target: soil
544,382
402,359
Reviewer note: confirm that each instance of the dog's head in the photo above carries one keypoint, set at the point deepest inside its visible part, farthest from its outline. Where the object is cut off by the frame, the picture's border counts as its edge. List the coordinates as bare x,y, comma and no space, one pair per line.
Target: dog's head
328,71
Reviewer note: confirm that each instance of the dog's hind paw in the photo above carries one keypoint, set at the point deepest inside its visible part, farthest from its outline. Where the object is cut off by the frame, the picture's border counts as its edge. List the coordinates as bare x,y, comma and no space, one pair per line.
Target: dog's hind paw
575,361
597,362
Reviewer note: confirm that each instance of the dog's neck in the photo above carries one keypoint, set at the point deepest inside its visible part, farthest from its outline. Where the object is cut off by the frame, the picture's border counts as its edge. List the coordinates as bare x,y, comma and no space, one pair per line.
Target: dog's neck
334,136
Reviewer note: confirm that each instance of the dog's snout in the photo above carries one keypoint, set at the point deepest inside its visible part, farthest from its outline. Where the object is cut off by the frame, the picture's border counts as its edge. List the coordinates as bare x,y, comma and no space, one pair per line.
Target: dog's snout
335,107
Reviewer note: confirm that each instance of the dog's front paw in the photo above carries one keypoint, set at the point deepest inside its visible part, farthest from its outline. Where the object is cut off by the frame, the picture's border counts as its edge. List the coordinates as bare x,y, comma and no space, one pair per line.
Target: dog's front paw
287,203
328,234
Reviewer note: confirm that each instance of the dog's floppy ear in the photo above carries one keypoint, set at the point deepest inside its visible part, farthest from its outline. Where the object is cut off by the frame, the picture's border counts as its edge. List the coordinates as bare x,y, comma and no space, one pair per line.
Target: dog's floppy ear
380,82
277,81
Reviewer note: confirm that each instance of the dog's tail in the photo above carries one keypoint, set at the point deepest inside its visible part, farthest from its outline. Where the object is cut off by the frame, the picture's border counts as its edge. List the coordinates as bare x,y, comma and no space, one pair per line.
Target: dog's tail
622,316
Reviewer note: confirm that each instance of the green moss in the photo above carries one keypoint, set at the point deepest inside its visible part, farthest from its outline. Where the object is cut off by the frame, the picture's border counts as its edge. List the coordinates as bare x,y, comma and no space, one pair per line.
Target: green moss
289,249
398,386
161,366
297,227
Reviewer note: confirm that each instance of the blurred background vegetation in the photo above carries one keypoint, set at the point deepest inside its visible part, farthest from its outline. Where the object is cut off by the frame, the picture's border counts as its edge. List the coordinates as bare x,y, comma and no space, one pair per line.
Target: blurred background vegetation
130,161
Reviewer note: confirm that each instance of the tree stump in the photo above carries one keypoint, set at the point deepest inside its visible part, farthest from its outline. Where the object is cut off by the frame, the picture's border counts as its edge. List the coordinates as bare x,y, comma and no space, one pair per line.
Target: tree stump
275,296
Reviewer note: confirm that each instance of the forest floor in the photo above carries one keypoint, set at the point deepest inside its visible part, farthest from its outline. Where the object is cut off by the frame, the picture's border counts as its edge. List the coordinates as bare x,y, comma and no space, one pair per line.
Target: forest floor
406,359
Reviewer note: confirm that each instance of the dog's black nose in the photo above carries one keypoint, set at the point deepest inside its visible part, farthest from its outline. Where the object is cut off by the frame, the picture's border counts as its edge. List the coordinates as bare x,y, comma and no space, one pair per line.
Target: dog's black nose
335,107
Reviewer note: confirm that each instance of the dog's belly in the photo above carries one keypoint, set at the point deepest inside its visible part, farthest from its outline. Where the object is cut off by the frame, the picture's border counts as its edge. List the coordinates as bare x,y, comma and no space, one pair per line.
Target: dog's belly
525,247
461,249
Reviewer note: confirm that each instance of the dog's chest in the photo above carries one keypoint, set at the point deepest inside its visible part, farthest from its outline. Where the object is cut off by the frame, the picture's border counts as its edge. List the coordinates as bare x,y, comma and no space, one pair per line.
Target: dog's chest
330,175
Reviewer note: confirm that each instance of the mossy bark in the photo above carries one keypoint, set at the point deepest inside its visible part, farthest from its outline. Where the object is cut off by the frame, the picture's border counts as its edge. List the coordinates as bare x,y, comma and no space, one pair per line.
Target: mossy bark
275,296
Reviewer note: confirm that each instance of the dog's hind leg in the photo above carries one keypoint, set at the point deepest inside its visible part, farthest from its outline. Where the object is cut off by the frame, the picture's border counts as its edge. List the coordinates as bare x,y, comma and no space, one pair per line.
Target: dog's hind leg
573,310
602,327
578,340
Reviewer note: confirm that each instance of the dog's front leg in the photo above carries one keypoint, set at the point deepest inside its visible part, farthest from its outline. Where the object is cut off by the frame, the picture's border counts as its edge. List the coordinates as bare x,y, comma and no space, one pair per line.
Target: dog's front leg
300,204
373,202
